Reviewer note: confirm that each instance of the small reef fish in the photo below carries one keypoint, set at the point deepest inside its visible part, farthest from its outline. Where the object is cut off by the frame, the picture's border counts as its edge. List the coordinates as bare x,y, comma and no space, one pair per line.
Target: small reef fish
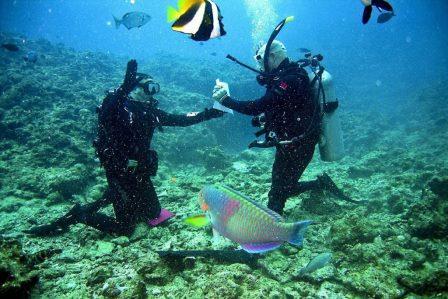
10,47
385,17
31,56
256,228
304,50
201,19
135,19
380,4
316,263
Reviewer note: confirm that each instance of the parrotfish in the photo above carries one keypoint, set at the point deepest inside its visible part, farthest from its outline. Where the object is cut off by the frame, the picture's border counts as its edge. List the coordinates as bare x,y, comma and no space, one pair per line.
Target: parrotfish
256,228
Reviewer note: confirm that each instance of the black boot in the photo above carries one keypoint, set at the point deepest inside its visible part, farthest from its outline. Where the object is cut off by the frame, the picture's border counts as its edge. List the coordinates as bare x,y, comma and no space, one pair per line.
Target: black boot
327,184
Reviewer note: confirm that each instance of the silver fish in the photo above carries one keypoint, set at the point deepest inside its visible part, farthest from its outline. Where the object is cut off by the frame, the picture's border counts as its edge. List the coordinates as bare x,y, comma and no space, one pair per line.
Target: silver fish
135,19
316,263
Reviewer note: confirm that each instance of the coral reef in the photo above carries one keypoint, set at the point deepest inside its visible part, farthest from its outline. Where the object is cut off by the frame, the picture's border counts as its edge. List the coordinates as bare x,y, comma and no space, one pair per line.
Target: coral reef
393,246
17,274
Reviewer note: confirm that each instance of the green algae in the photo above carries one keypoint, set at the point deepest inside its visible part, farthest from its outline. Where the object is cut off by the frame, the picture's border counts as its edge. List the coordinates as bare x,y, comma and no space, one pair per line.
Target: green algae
17,273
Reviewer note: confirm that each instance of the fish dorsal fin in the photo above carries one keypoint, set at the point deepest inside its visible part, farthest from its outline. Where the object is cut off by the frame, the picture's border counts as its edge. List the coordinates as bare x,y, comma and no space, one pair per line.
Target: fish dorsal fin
276,216
184,5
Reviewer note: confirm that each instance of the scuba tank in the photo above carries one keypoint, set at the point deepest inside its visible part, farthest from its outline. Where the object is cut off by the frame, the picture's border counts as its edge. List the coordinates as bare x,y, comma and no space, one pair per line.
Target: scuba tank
331,146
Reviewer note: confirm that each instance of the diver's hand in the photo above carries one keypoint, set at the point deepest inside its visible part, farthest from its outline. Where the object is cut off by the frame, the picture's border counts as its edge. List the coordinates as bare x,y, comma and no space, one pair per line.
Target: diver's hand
212,113
130,79
220,91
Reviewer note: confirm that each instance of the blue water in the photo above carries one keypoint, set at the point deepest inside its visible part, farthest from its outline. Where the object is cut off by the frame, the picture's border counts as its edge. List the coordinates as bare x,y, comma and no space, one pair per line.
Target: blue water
400,55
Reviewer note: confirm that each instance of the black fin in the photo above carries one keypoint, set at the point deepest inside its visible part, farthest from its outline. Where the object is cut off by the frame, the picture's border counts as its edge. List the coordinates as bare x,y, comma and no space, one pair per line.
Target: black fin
367,13
383,5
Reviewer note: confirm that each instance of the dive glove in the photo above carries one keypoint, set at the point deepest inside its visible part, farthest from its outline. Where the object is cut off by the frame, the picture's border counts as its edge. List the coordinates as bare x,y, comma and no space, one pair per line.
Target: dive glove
212,113
220,91
130,79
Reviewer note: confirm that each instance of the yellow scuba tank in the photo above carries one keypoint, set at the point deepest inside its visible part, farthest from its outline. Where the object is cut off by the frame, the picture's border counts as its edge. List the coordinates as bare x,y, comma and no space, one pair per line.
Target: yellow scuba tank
331,145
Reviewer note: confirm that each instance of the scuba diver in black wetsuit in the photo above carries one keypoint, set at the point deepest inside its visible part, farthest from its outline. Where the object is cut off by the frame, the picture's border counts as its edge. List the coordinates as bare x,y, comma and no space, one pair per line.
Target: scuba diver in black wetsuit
291,117
125,130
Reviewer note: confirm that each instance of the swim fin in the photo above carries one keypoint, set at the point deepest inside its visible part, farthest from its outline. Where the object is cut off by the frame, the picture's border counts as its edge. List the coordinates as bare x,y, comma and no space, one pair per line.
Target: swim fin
327,184
163,216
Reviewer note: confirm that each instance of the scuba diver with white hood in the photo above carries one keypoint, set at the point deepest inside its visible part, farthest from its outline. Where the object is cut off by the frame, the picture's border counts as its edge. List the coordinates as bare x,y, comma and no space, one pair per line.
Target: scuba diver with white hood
291,118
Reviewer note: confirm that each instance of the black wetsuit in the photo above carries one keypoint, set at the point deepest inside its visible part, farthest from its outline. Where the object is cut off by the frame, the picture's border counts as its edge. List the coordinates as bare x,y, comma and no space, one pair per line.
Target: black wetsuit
290,112
125,131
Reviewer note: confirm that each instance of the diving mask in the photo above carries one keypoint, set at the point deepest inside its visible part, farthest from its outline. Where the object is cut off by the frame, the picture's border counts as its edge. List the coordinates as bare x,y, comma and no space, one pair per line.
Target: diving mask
149,86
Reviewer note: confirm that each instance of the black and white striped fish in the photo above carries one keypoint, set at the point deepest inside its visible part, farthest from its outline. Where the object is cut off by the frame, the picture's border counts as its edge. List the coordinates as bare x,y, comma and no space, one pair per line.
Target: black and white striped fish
201,19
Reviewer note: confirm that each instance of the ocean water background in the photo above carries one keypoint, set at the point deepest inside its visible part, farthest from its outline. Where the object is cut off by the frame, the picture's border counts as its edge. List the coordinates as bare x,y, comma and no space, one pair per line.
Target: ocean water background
388,59
374,65
391,80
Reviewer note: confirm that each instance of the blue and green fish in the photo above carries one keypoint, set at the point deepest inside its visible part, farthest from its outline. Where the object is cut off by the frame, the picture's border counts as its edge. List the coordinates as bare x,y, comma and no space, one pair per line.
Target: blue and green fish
256,228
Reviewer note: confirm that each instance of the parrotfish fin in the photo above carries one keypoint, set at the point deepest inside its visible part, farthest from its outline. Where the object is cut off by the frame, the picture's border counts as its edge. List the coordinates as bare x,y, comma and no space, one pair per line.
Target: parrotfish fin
197,220
271,213
260,247
298,231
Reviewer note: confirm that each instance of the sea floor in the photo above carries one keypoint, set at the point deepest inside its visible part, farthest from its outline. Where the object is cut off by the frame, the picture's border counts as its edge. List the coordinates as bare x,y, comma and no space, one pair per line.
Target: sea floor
393,246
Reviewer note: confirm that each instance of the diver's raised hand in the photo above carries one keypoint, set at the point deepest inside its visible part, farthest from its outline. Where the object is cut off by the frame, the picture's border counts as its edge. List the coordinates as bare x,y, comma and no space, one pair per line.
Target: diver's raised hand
130,79
220,91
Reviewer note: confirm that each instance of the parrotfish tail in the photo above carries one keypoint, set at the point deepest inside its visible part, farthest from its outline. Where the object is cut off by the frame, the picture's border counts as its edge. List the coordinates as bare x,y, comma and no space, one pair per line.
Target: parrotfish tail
117,22
298,231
